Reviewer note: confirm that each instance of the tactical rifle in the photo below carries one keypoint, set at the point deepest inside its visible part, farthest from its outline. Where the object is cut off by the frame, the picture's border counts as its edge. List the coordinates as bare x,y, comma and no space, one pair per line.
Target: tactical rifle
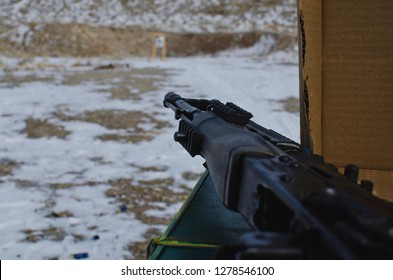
299,206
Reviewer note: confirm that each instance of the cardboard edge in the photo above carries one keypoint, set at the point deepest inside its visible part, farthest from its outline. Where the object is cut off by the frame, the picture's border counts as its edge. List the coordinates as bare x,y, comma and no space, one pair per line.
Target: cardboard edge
310,106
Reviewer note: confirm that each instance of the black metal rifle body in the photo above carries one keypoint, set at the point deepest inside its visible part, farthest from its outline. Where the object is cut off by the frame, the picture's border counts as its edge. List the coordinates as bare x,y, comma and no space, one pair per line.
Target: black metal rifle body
299,205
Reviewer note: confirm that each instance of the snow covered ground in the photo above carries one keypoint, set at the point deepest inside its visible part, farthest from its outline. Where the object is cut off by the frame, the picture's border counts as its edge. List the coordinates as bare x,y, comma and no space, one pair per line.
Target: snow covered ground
165,15
62,194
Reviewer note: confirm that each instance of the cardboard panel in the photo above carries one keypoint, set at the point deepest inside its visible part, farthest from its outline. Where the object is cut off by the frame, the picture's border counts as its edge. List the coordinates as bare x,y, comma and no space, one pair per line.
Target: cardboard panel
346,85
357,91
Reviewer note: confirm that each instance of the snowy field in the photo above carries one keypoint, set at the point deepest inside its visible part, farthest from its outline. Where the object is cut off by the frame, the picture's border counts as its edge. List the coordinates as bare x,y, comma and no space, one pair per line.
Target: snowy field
166,15
87,157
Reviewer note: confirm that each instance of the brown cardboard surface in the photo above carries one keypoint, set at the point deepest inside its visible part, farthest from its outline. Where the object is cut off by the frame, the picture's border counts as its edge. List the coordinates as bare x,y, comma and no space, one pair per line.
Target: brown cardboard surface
346,84
357,91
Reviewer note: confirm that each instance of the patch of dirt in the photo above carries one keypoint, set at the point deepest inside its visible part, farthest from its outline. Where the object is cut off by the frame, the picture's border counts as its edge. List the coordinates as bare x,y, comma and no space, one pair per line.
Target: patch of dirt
117,119
125,83
190,176
54,39
284,42
26,183
100,160
238,7
139,249
36,128
136,138
120,119
50,233
6,167
11,81
195,43
62,214
138,197
290,104
78,40
150,168
59,186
